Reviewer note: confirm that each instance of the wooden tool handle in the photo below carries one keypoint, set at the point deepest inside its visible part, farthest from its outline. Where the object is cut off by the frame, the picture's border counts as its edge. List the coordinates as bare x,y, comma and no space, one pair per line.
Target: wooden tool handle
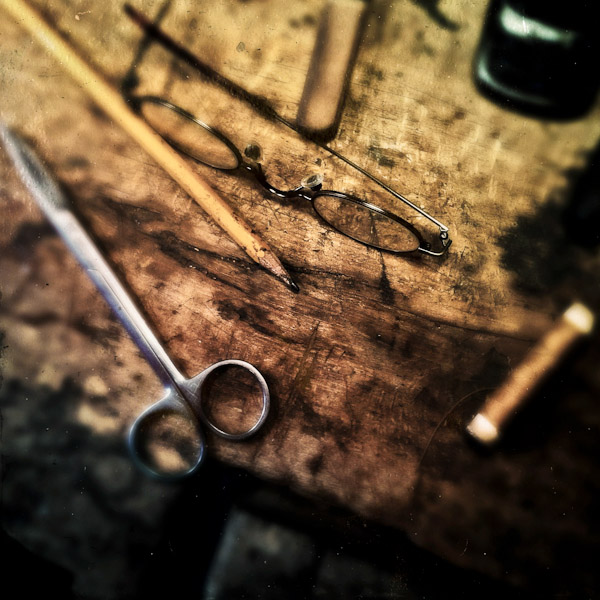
111,101
329,68
577,321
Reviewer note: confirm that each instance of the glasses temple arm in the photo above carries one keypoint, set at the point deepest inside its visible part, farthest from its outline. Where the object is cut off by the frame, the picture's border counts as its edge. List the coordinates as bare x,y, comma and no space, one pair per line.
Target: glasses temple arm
387,188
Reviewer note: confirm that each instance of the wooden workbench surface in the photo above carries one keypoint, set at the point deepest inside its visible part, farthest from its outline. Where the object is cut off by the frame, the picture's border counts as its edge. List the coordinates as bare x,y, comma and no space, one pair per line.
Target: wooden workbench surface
378,363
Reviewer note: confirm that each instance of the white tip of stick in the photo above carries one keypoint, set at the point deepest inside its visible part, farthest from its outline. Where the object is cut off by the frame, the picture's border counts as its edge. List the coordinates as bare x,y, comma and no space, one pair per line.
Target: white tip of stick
580,317
482,429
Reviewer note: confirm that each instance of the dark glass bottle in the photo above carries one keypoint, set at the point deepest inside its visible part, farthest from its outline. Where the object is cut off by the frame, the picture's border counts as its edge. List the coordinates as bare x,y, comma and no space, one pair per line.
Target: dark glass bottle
540,58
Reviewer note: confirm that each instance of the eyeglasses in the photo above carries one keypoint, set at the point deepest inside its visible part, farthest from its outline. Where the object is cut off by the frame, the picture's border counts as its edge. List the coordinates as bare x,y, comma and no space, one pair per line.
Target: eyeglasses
354,217
311,188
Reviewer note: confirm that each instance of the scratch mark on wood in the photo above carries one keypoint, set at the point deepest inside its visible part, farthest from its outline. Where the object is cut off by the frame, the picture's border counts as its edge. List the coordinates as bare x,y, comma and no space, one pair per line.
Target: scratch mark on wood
302,377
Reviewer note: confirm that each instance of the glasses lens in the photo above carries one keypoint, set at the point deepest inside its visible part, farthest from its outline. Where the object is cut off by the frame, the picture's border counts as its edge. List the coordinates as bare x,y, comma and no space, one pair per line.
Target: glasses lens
187,134
356,220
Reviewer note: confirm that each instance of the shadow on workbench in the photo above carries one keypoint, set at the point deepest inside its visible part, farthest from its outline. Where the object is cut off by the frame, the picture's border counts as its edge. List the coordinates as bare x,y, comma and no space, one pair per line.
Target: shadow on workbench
230,535
74,499
269,543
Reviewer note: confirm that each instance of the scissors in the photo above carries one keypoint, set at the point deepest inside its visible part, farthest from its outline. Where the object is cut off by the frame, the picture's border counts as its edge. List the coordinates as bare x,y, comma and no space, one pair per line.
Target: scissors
183,397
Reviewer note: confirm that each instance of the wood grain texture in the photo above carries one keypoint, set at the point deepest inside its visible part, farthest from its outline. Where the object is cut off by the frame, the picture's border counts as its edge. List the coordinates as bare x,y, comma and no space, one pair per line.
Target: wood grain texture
377,366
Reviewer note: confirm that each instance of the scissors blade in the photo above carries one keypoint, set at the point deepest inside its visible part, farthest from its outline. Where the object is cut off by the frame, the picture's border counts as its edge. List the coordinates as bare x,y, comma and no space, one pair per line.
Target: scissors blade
57,209
33,173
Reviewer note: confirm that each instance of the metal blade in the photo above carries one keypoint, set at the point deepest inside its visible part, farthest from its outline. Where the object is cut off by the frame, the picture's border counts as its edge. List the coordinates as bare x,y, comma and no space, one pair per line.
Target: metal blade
34,174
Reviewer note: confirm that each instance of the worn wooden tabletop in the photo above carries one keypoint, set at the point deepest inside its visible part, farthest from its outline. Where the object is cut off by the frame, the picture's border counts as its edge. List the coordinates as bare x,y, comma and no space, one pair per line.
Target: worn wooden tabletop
378,363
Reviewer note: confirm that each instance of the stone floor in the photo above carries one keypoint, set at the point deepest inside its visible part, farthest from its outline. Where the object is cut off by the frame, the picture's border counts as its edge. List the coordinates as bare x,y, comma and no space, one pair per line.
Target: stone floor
86,525
237,552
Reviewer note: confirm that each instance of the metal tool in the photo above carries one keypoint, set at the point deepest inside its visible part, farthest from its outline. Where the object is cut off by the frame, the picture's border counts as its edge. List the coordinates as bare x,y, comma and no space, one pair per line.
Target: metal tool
183,397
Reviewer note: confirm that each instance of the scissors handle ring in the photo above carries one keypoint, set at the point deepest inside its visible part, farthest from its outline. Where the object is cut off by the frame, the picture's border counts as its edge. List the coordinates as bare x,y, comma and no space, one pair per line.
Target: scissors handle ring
264,388
170,404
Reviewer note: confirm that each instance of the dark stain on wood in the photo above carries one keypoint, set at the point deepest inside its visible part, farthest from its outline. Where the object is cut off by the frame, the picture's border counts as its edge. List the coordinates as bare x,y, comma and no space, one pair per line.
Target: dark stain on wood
375,21
28,235
315,464
77,162
252,315
98,113
420,46
137,214
307,20
542,258
458,115
377,153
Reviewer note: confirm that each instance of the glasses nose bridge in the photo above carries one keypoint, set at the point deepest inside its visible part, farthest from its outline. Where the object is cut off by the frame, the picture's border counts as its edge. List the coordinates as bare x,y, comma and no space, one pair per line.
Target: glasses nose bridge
301,192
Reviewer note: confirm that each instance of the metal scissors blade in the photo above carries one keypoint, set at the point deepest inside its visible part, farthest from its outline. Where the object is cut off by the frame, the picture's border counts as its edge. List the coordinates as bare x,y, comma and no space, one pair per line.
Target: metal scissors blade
183,395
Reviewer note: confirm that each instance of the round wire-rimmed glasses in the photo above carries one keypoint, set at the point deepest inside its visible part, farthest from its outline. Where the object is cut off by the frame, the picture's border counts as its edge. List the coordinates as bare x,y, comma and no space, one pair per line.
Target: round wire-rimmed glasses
358,219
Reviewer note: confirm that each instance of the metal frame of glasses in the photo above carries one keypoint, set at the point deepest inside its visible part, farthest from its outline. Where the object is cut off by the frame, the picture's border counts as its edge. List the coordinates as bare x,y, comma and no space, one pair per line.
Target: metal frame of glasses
354,217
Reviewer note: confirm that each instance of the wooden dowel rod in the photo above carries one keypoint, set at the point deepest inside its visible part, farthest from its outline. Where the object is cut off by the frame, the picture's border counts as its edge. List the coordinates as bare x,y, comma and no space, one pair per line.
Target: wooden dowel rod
576,322
113,104
329,71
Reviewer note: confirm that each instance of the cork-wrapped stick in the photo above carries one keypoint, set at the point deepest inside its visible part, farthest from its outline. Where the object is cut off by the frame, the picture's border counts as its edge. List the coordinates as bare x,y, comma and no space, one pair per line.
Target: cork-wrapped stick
575,323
